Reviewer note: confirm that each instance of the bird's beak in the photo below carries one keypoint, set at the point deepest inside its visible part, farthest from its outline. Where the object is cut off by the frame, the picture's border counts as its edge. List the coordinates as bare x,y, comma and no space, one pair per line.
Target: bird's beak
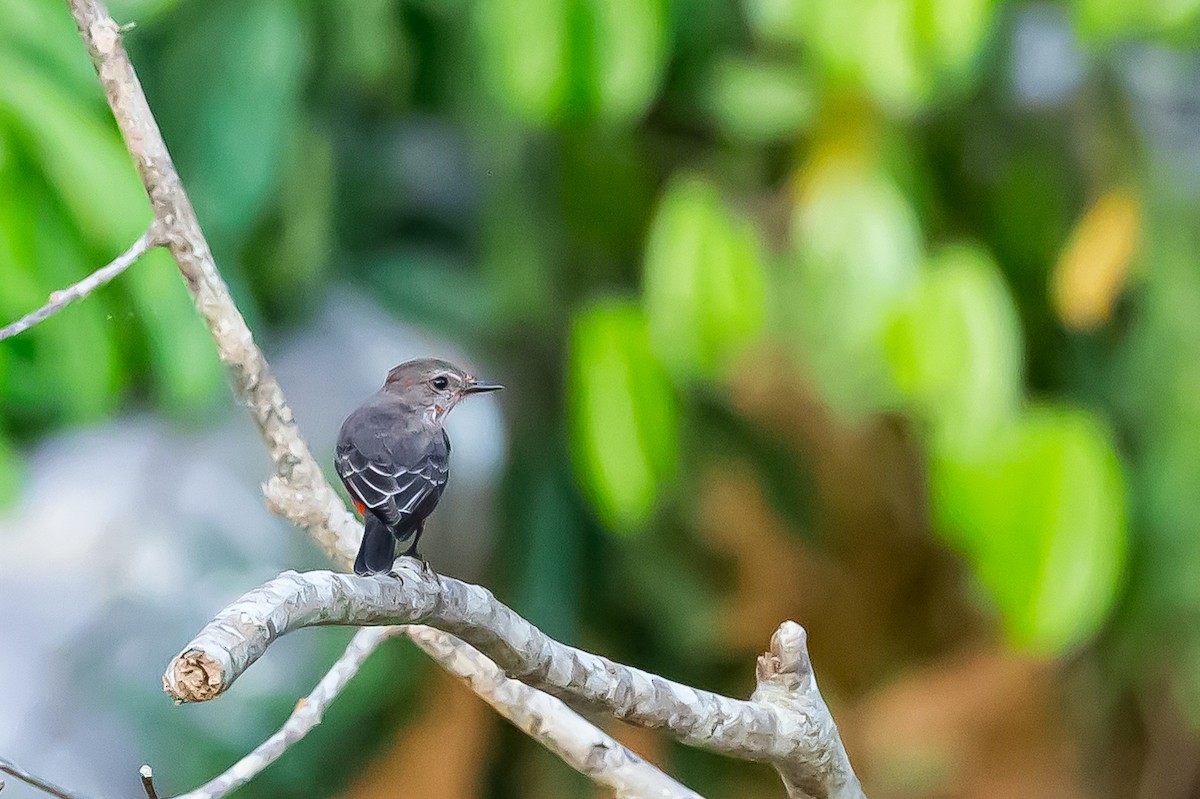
477,387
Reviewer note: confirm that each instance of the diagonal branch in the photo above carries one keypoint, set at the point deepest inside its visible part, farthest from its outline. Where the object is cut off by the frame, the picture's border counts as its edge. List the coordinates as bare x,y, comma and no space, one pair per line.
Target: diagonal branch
297,489
254,383
64,297
308,714
579,743
786,724
11,768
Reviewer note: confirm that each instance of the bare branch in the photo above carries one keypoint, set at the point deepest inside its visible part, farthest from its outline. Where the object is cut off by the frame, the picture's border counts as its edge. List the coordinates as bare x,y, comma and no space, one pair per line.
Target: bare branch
581,745
297,490
335,530
786,679
308,714
147,775
11,768
64,297
787,724
777,729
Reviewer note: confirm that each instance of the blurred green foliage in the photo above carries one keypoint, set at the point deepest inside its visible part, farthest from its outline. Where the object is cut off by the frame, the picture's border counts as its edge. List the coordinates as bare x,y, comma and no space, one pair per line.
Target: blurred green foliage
704,287
625,423
625,204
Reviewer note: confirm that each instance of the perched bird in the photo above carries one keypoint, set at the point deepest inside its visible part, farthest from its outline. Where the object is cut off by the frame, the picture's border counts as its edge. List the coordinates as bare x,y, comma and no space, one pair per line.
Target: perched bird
393,455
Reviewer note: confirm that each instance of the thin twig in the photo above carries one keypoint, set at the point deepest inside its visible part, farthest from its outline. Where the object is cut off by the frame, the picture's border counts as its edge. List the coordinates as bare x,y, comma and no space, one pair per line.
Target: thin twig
11,768
297,488
64,297
147,775
305,716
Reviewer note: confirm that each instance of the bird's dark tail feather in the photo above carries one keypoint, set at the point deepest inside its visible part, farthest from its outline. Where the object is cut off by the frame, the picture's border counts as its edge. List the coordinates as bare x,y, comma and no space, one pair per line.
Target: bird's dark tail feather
378,548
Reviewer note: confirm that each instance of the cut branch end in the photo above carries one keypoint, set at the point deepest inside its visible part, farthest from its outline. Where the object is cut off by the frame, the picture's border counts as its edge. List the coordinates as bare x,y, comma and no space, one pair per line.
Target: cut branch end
786,664
194,676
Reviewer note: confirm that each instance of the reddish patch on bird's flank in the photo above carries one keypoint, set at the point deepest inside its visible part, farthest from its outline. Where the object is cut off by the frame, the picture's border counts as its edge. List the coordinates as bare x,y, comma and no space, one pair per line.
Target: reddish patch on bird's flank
362,509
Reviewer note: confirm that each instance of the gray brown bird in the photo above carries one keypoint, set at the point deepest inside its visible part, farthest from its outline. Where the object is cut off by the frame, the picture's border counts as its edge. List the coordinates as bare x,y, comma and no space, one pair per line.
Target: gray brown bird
393,455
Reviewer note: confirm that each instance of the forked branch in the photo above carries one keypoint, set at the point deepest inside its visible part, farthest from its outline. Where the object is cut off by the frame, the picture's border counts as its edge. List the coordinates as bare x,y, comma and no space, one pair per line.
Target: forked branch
297,489
77,291
785,723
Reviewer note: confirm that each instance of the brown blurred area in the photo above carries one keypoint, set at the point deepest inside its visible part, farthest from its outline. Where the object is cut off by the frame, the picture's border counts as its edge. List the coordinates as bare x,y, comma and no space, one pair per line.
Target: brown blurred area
930,701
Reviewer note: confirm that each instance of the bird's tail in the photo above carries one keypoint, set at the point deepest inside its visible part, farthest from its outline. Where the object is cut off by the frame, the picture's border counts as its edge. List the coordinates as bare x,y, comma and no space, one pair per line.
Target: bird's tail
378,548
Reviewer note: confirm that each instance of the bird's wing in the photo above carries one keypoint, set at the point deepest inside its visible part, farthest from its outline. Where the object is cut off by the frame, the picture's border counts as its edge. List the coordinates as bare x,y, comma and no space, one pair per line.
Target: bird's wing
393,493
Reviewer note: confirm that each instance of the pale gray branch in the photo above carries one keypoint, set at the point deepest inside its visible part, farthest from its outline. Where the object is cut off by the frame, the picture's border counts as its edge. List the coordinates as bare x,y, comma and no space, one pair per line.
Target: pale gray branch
786,680
297,489
11,768
579,743
308,714
335,530
786,724
64,297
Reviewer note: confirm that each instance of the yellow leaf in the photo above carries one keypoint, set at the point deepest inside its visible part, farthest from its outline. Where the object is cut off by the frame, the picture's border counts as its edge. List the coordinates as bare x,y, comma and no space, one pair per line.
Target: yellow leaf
1091,271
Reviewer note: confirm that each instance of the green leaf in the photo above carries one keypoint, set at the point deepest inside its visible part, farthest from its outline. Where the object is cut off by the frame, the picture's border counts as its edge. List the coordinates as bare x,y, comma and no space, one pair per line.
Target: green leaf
870,44
955,348
704,286
186,371
367,41
65,369
759,101
44,34
624,422
553,59
292,252
779,21
11,476
1040,513
20,293
1103,20
857,255
140,11
904,53
83,158
227,96
952,34
547,529
626,51
888,59
516,266
432,287
525,53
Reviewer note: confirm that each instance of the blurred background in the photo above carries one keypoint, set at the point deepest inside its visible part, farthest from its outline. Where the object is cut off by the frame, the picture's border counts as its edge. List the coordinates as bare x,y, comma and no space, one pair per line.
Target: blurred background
880,315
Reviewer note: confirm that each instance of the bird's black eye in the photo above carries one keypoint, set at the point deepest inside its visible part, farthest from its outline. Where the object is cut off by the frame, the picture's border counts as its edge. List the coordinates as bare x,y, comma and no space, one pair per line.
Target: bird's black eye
440,382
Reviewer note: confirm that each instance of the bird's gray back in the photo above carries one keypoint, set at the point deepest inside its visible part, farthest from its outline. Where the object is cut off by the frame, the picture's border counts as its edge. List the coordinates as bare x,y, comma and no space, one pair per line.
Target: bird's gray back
386,428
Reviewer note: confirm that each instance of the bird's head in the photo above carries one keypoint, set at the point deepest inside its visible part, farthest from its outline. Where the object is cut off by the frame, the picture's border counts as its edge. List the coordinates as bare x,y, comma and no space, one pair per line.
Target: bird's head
433,385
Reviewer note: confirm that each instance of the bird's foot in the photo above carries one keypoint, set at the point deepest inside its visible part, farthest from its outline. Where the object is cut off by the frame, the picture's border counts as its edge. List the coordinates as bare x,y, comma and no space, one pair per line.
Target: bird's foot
426,570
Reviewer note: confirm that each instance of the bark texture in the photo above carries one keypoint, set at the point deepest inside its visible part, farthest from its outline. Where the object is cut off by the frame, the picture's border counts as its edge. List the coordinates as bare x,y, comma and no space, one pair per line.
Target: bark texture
786,723
507,661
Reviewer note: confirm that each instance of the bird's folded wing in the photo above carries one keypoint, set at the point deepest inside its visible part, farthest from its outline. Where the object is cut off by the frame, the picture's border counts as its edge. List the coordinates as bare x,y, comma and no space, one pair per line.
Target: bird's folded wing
391,492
